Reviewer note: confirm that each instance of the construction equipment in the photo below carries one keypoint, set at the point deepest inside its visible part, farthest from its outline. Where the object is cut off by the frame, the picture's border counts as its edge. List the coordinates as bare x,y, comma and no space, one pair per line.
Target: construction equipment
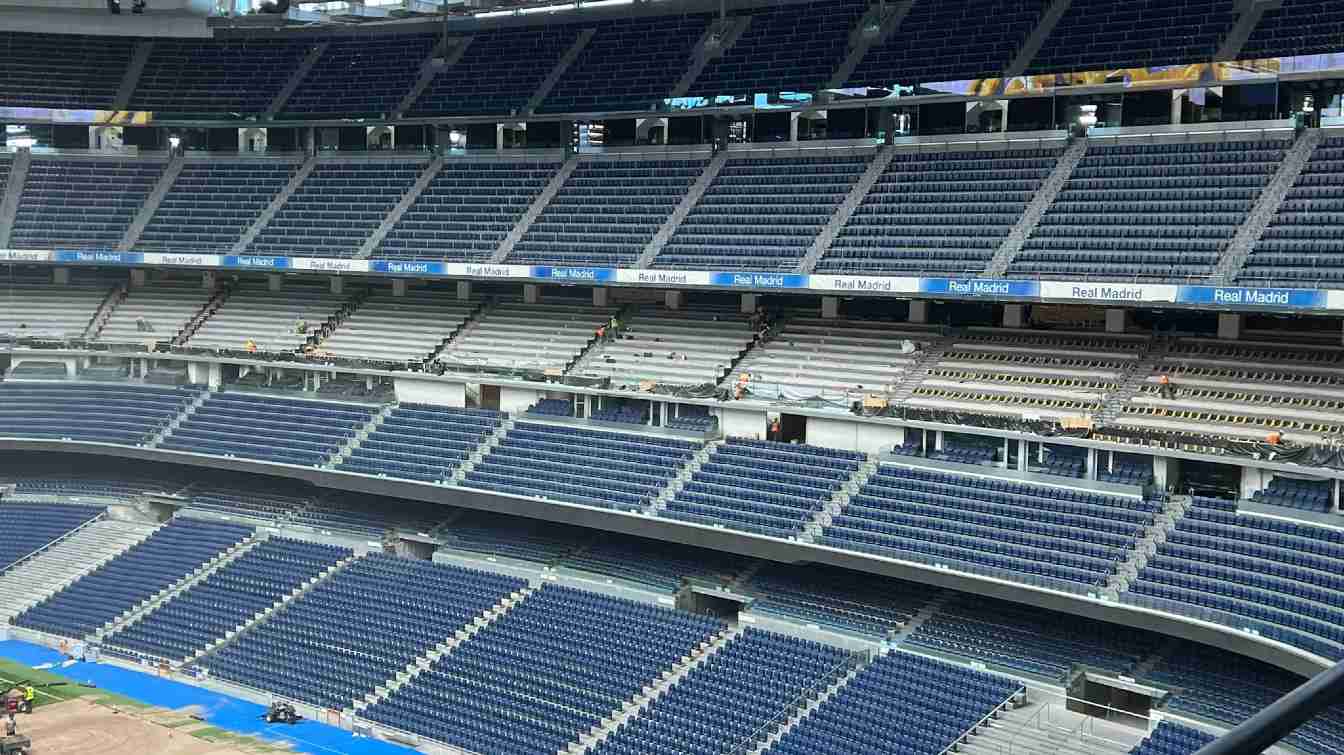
16,745
282,713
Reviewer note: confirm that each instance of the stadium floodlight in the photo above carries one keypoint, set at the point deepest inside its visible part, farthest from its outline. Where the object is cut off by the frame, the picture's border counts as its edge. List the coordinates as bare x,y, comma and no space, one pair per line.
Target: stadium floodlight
114,7
174,141
1088,117
1308,103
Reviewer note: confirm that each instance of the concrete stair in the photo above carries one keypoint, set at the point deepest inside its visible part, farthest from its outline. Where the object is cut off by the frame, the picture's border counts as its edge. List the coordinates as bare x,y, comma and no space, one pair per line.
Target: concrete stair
278,203
9,205
719,38
534,210
885,20
296,78
148,605
566,60
1035,728
807,709
839,500
1146,546
682,477
488,443
912,377
445,55
1040,202
1251,13
641,701
152,202
845,211
105,311
1032,44
929,610
394,216
65,561
360,436
176,422
682,210
131,77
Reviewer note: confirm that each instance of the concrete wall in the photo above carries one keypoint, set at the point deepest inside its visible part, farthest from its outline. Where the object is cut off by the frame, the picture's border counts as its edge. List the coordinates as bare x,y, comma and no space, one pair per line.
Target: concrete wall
164,18
437,393
513,400
748,423
1254,480
853,436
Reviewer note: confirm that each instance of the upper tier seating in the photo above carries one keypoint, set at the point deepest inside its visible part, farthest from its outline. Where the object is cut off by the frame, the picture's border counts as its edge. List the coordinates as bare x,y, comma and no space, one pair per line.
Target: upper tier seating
762,213
625,66
1302,246
226,599
681,347
126,414
81,203
810,356
949,42
1298,27
1230,688
466,210
276,321
520,336
362,76
64,489
606,212
493,534
1170,738
656,564
593,467
939,213
62,71
762,486
39,309
1096,35
403,329
1305,495
172,553
336,208
732,701
545,673
1129,212
1028,640
358,628
30,526
988,524
785,48
278,430
491,78
829,596
165,308
370,516
211,204
1281,575
900,703
425,443
271,502
239,76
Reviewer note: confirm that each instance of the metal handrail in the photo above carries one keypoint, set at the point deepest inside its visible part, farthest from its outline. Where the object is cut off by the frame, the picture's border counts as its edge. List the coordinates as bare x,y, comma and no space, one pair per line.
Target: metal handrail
991,714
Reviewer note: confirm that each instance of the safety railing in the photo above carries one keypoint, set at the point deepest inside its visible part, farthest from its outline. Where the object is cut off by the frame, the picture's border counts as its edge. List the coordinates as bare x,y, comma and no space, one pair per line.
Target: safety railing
993,713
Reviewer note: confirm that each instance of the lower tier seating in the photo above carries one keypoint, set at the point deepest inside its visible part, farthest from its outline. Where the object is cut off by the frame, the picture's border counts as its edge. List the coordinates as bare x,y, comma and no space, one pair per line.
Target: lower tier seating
30,526
828,596
1170,738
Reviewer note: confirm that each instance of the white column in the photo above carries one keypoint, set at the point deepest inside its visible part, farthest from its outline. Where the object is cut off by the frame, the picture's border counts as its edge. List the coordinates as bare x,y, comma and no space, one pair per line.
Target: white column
531,293
1014,315
675,299
748,303
337,284
208,280
1229,326
1116,320
398,287
601,296
137,278
830,307
1091,468
1022,455
463,290
793,127
937,440
919,311
274,281
61,276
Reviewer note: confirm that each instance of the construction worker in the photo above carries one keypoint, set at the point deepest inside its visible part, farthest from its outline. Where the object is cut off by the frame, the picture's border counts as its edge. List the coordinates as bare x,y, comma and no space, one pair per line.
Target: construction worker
1274,438
774,429
602,332
1165,388
250,346
29,694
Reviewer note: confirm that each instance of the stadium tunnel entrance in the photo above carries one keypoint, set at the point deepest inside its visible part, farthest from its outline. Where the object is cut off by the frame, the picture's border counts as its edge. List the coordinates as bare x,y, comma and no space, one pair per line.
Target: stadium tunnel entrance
710,601
1113,698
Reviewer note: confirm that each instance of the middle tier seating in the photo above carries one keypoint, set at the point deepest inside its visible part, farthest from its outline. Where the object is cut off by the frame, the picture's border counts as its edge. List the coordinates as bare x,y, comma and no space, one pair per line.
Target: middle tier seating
518,336
939,212
1171,738
578,465
762,486
829,596
211,204
276,321
172,553
734,700
422,442
126,414
227,599
1302,245
1283,576
402,329
358,628
900,703
1023,530
606,212
281,430
31,526
81,204
762,213
545,673
681,347
39,309
337,207
155,313
1149,211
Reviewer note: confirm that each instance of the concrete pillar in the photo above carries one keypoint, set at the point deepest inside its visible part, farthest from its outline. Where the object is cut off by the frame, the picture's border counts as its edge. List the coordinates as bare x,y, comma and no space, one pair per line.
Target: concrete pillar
208,280
1090,468
1254,480
1229,326
274,281
337,284
937,440
398,287
1166,472
216,376
463,290
137,278
144,367
1004,464
601,296
919,311
1014,315
499,136
675,299
793,127
1334,496
1177,96
1117,320
61,276
830,307
1022,455
748,303
531,293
